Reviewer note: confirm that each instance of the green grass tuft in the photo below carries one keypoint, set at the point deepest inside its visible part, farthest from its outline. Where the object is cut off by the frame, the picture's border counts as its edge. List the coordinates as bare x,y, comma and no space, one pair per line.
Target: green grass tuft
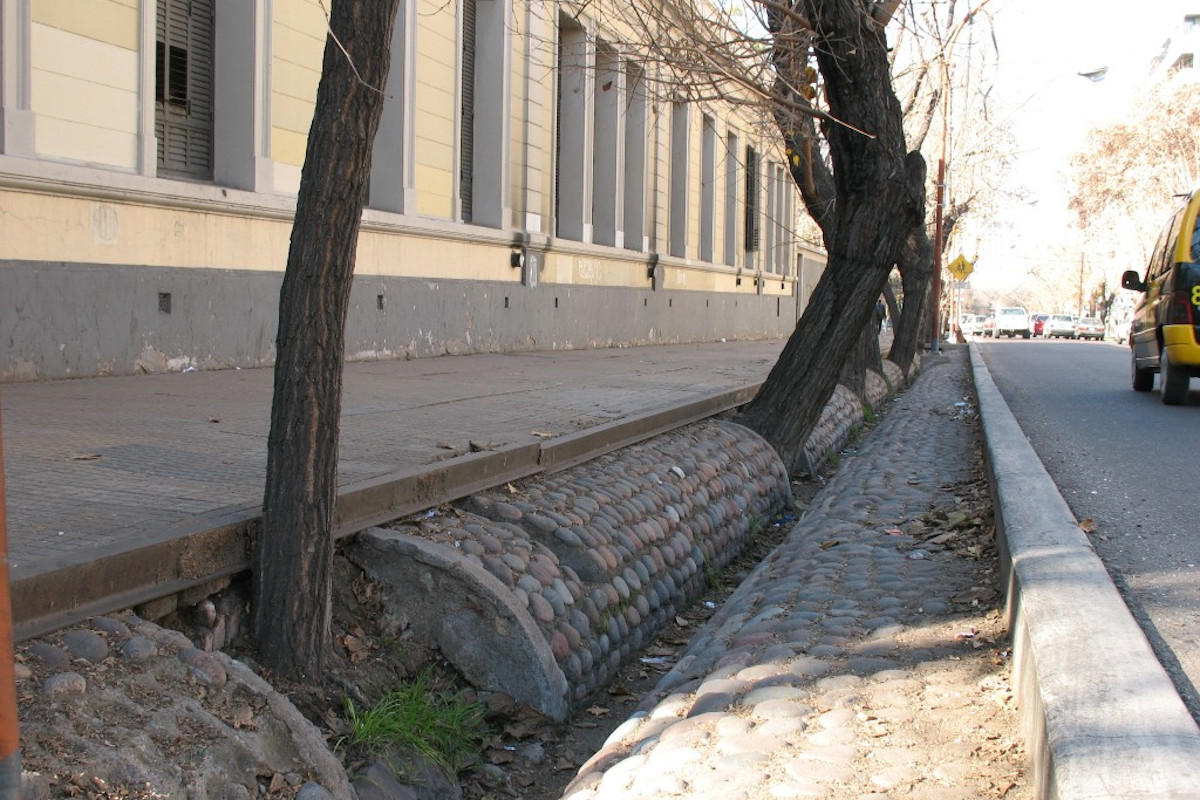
444,728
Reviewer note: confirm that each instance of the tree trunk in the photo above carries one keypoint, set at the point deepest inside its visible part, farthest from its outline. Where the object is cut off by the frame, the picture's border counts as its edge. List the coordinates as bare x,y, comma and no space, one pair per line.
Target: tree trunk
862,357
879,199
293,579
893,308
916,272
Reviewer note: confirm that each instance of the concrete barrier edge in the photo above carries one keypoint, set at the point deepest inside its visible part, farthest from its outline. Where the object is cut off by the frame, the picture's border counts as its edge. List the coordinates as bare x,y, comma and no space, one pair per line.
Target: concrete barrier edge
1100,715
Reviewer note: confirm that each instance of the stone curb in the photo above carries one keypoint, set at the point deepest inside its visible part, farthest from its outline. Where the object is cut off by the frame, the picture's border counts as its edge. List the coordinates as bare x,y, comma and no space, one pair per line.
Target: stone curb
1100,716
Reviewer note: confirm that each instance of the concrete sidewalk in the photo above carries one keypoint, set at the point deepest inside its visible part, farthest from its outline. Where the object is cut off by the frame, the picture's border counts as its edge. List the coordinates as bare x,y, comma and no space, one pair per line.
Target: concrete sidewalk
119,487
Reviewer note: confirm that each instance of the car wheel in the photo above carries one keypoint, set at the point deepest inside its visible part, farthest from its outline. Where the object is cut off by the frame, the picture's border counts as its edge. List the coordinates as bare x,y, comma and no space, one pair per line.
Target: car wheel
1143,379
1174,383
1025,335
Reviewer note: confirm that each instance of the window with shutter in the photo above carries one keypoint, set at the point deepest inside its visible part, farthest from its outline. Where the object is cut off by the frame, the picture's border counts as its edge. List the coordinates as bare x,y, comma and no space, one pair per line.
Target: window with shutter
183,88
466,178
753,224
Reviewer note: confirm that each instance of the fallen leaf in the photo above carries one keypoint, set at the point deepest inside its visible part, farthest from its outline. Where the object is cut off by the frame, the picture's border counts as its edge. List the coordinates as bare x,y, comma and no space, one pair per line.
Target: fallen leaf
943,538
85,456
894,532
617,690
598,711
681,622
518,730
444,445
830,543
543,434
511,489
501,756
1089,526
242,717
213,419
358,649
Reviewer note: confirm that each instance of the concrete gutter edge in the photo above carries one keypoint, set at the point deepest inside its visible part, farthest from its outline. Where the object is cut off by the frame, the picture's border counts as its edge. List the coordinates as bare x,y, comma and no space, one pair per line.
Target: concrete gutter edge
1100,716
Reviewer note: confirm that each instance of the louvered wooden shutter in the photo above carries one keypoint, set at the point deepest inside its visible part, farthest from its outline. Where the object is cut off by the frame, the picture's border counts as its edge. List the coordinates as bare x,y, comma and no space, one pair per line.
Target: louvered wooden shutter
183,84
753,226
467,132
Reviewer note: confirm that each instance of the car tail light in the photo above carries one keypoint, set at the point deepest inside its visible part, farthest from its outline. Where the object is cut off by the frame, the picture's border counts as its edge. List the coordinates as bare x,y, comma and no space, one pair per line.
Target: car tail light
1179,308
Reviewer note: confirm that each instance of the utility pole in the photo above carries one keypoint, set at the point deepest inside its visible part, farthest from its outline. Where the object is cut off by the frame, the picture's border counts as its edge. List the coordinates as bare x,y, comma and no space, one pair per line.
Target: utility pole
1080,307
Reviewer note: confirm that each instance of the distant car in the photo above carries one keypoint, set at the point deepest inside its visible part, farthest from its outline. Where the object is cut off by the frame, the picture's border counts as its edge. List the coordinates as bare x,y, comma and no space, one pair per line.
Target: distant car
1060,326
1037,324
1012,321
988,326
1089,328
969,324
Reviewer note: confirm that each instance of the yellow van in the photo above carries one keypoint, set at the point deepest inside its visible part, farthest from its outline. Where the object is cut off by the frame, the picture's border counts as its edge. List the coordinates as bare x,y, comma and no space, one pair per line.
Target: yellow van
1163,333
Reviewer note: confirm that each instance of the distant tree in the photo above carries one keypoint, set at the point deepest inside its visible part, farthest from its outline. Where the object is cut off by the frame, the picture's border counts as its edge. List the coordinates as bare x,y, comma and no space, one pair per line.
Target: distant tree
940,60
293,563
1127,177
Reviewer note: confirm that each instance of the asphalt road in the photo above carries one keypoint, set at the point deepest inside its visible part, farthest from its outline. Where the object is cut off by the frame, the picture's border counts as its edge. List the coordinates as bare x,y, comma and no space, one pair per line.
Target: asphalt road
1128,463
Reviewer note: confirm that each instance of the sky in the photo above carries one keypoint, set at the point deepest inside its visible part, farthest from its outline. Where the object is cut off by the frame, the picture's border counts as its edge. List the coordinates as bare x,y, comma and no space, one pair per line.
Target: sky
1043,46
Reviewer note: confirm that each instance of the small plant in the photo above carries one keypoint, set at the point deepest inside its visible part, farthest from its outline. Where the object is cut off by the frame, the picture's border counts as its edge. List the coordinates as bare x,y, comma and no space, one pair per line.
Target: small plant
713,573
835,460
869,416
444,728
855,435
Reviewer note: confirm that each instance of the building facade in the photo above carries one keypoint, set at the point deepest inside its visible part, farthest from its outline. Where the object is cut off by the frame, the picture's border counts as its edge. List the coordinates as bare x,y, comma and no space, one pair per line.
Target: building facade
529,189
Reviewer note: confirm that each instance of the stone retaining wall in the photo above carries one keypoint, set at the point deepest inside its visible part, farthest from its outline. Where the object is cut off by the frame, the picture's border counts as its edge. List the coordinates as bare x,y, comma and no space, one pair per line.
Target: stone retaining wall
545,589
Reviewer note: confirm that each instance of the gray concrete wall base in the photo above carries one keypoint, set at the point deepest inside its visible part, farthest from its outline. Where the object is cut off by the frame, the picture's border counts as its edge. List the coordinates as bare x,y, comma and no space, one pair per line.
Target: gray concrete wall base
158,319
1100,715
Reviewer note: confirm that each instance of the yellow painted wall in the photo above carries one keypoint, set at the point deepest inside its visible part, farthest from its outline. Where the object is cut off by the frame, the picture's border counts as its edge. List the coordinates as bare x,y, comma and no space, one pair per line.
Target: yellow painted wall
113,22
298,45
434,153
44,227
597,270
84,83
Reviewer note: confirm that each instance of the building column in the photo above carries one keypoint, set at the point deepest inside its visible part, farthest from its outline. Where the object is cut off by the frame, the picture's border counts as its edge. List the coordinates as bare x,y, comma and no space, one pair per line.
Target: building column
241,94
16,114
577,62
393,187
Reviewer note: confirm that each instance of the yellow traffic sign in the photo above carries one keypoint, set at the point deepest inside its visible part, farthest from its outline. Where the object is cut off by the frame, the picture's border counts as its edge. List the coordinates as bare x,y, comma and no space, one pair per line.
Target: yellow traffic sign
960,268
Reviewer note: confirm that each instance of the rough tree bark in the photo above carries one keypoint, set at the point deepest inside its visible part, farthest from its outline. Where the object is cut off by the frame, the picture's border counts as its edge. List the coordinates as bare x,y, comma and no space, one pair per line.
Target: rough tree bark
863,356
292,578
878,198
916,274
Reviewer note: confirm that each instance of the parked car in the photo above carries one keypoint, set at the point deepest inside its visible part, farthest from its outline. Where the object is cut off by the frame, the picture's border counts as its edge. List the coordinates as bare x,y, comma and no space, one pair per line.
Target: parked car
1012,321
988,326
1060,326
1089,328
1037,324
969,324
1163,330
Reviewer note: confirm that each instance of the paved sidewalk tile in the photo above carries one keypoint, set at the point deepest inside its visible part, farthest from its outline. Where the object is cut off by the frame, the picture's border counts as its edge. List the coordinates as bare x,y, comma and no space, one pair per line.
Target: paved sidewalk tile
93,462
